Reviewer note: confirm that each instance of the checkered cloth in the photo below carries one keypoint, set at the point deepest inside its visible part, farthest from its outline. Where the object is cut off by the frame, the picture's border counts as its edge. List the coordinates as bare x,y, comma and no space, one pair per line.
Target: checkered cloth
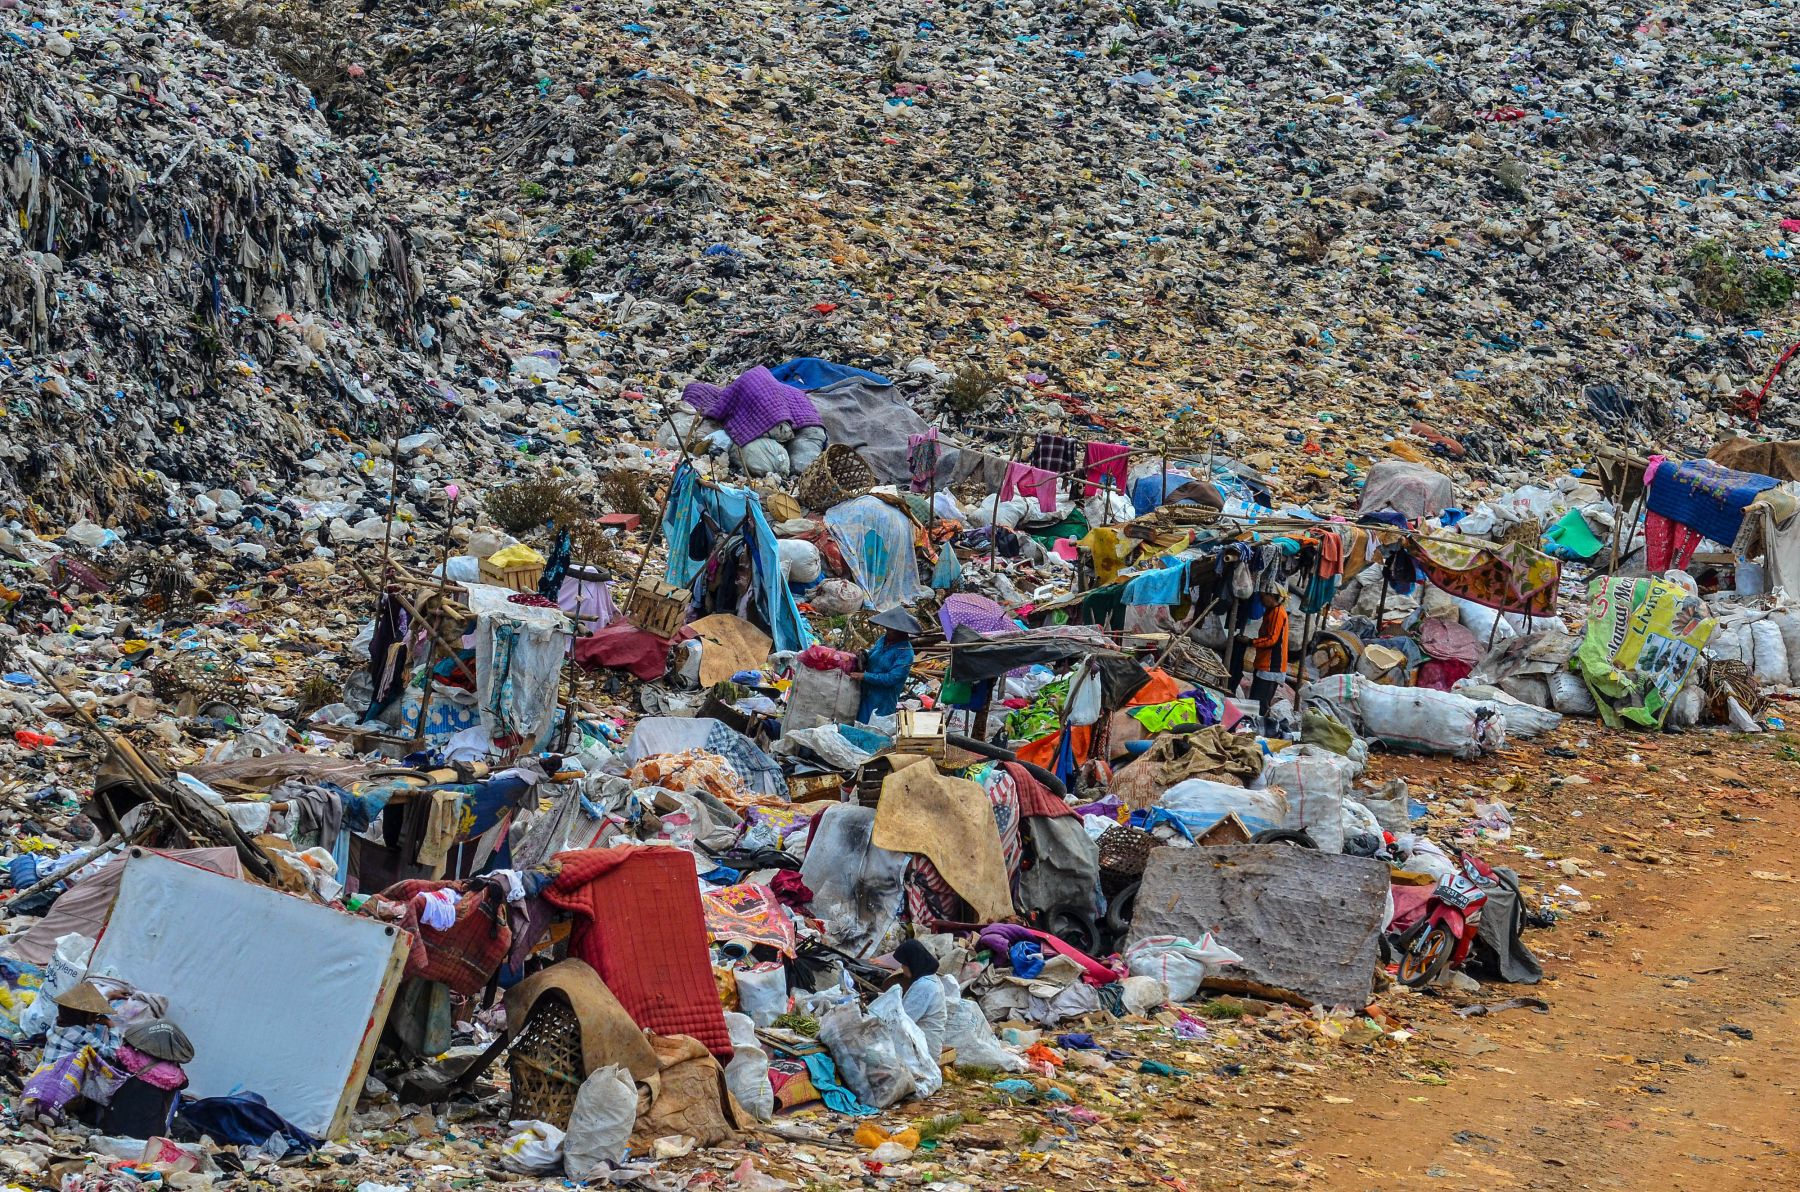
760,772
1054,453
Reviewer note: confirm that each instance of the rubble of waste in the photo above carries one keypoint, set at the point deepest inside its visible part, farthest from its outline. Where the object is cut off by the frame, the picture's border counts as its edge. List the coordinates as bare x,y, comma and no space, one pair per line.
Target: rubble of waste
702,598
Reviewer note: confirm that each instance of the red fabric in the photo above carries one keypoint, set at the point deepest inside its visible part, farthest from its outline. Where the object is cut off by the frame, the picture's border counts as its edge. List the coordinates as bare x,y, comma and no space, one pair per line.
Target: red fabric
464,955
640,925
1409,905
790,888
1442,674
1034,797
624,646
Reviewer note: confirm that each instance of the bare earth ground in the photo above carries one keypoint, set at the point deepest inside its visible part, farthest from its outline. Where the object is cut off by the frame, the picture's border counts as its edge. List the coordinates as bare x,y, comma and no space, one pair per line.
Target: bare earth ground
1628,1082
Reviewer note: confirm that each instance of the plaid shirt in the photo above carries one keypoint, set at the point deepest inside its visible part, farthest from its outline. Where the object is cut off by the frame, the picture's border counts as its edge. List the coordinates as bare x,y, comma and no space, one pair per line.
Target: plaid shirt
1054,453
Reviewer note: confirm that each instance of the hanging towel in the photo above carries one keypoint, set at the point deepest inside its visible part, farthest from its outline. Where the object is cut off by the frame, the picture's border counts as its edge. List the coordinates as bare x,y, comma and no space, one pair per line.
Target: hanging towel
922,460
1106,461
1031,482
1167,586
1053,453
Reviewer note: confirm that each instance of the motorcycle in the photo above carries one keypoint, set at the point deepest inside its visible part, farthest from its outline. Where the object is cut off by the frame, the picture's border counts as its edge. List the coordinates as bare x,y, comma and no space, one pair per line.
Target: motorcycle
1435,935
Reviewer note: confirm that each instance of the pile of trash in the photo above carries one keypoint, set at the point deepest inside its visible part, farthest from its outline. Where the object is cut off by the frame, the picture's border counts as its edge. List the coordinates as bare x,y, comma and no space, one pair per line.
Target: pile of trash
644,580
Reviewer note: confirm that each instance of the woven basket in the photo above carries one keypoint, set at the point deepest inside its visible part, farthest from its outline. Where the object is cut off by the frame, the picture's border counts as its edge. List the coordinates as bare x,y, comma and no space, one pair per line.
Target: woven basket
546,1064
838,475
1123,852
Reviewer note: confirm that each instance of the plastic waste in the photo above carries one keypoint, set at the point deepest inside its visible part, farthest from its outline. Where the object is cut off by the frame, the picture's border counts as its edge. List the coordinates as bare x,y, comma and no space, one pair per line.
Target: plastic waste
600,1125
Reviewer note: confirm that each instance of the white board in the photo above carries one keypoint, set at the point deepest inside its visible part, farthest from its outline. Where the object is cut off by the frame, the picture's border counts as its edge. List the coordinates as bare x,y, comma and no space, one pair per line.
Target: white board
278,994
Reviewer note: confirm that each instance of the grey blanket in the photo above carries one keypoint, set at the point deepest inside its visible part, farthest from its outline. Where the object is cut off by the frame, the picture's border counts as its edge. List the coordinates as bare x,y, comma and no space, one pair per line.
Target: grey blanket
876,421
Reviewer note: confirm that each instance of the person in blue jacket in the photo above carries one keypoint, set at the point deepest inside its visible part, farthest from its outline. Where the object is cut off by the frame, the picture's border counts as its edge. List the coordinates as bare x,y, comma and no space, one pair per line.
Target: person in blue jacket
887,665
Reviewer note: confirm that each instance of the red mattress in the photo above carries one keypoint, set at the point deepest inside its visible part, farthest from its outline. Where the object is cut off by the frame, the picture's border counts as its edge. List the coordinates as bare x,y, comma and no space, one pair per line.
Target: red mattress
640,925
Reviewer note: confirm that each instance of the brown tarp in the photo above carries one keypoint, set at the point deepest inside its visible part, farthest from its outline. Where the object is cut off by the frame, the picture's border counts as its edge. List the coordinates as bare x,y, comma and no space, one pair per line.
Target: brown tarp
1211,753
1305,922
950,822
608,1035
688,1095
1780,460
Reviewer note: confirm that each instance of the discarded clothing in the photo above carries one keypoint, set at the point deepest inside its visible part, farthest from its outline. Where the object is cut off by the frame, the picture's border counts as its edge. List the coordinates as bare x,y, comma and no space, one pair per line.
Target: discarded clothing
1031,482
1704,495
752,405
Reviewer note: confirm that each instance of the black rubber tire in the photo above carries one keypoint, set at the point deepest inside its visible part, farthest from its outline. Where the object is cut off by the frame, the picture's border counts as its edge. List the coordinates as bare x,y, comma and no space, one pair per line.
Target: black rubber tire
1119,909
1006,755
1288,836
1077,930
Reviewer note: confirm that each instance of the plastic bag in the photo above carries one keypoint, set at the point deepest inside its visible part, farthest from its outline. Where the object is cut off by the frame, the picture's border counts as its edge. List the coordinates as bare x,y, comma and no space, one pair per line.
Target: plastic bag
837,598
800,560
909,1040
1199,804
821,697
765,457
1316,781
1180,964
1569,695
1084,698
1768,654
1426,721
600,1126
967,1033
1522,719
535,1147
64,972
868,1059
1142,994
763,993
747,1075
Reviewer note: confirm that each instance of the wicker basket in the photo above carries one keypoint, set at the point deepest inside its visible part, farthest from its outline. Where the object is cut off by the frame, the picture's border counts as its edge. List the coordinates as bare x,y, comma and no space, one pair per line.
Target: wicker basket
546,1064
838,475
1123,852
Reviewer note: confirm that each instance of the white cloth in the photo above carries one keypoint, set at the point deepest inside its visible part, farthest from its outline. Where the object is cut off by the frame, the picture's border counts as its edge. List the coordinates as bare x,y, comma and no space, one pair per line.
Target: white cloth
924,1004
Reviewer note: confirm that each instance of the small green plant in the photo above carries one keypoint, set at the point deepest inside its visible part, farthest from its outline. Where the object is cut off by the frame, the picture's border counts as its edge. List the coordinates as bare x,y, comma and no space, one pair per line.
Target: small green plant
1510,177
1218,1008
578,262
1731,283
532,190
1029,1136
969,388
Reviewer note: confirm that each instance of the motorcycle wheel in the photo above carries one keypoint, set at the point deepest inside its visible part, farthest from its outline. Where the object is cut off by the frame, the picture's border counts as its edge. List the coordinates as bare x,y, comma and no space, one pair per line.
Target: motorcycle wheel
1426,958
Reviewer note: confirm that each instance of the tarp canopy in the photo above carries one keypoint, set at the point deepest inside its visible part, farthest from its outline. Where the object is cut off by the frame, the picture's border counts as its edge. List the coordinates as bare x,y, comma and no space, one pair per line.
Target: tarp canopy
728,508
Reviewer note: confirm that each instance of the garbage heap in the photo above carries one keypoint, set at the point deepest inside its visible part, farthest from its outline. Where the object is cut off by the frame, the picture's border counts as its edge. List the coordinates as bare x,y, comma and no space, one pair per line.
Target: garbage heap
806,796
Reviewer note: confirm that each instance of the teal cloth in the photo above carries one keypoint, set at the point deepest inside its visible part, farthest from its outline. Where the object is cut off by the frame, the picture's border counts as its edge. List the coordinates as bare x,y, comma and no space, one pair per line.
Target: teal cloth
1167,586
1573,537
729,508
836,1097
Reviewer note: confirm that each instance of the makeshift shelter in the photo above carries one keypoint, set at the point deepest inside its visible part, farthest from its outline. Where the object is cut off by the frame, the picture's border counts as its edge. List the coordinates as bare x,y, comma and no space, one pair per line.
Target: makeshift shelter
700,515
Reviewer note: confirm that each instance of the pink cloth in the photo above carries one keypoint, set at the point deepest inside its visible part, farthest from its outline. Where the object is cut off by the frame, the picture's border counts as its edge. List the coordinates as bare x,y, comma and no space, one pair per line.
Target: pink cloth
1106,461
1032,482
1668,543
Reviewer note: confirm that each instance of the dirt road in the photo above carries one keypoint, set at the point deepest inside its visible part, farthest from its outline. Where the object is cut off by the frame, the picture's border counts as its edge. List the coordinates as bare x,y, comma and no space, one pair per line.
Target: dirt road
1668,1058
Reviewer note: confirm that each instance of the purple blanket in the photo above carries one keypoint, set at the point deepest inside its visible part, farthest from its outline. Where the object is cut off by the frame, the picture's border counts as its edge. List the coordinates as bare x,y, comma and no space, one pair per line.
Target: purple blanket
752,404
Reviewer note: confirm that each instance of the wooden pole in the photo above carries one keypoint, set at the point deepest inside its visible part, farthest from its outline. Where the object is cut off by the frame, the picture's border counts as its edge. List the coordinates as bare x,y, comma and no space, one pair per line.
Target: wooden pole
994,525
45,883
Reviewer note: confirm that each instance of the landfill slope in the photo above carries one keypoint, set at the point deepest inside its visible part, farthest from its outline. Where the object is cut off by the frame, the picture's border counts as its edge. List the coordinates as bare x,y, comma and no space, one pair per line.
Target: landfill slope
1329,220
1495,233
199,278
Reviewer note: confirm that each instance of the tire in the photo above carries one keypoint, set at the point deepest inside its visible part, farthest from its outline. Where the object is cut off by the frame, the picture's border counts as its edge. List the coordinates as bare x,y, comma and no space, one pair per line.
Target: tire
1427,957
970,744
1293,837
1076,930
1119,909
